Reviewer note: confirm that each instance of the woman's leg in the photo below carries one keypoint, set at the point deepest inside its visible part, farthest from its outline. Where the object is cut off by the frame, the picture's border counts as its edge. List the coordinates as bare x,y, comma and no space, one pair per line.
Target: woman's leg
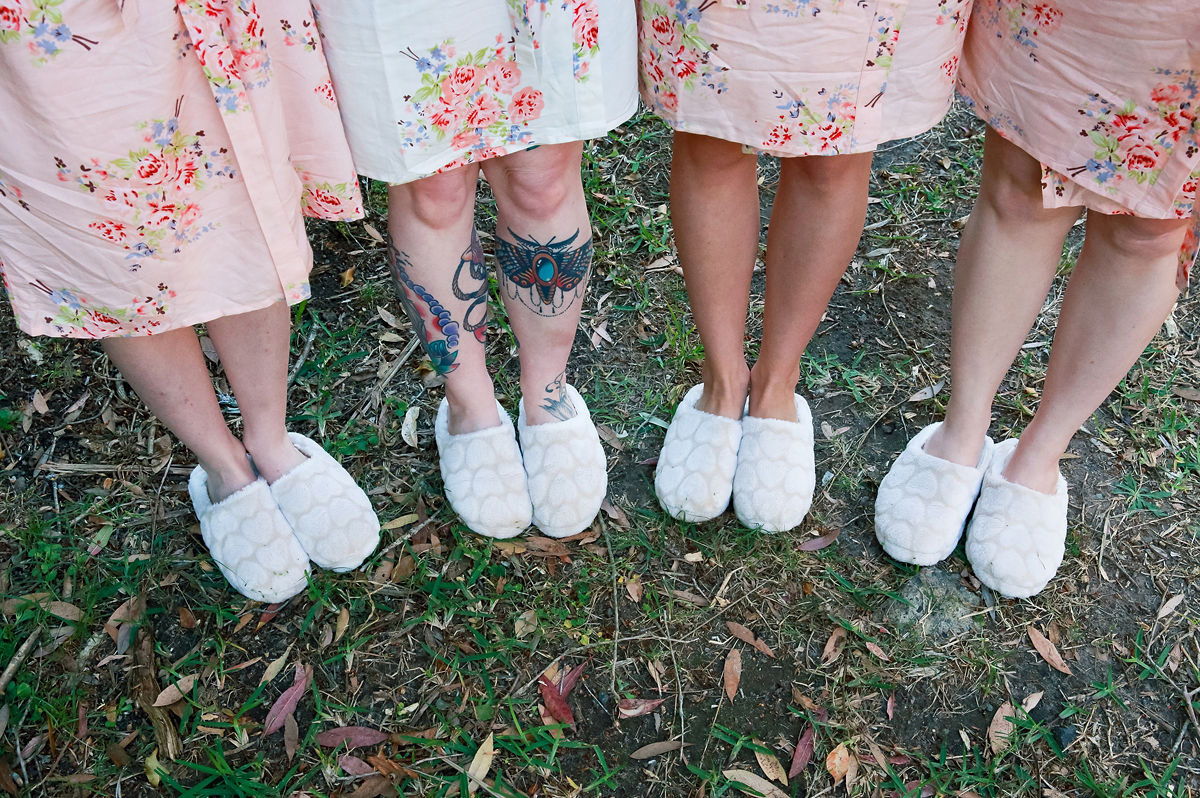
168,372
715,212
442,283
816,222
544,246
1119,293
1006,262
254,353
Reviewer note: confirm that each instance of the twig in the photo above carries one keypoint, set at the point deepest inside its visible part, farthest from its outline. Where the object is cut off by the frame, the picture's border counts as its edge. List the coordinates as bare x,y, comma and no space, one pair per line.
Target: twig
18,658
312,335
616,607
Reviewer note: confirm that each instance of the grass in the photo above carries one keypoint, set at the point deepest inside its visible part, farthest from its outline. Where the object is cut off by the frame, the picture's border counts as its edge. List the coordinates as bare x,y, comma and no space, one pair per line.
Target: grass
439,640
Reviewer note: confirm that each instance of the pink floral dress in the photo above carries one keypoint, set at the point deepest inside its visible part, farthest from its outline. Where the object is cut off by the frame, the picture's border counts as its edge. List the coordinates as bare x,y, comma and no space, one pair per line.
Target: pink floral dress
429,85
155,159
1104,93
801,77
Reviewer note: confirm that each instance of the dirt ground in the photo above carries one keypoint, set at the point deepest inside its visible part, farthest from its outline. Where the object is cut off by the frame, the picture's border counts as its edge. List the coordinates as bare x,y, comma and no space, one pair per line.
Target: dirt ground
898,682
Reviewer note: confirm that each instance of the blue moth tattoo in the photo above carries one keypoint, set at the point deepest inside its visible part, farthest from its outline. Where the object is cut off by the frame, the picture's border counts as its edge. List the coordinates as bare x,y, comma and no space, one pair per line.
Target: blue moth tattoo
437,331
546,277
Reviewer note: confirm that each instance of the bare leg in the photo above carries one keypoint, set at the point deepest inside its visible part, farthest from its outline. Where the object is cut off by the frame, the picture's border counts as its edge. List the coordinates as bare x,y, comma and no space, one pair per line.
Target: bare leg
1006,262
254,351
438,265
715,211
1120,292
544,246
816,223
167,371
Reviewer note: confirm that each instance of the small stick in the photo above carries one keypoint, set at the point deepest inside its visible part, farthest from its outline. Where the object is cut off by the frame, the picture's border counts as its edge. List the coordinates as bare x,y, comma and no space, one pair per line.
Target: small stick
18,658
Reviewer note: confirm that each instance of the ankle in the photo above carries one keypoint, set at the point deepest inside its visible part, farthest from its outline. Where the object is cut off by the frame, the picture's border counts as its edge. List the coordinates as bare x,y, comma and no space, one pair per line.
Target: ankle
469,411
1034,470
227,476
773,394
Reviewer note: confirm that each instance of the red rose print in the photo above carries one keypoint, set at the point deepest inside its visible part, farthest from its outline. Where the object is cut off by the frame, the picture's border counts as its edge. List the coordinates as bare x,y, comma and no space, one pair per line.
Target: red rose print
587,24
1179,122
465,140
461,83
1167,94
669,101
665,32
184,171
151,169
527,104
10,15
502,76
484,111
214,8
683,68
1045,15
1142,156
324,91
779,135
323,202
445,116
109,230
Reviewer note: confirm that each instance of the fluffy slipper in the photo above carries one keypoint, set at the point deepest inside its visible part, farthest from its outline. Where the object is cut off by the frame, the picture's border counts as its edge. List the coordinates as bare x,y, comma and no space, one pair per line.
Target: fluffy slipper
567,470
250,540
1016,539
695,467
484,478
776,474
328,512
924,501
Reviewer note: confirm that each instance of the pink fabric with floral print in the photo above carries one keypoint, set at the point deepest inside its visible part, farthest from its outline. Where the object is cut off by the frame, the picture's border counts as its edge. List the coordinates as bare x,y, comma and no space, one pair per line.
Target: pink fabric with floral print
429,85
155,160
801,77
1104,93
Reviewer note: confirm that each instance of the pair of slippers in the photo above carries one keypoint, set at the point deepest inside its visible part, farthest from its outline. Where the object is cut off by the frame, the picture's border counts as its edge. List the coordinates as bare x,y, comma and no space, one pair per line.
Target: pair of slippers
555,479
766,465
1016,536
264,536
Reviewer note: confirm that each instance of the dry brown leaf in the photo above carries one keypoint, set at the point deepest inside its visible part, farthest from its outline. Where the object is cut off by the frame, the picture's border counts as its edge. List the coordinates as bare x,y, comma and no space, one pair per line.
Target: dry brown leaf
746,636
771,767
291,737
526,624
408,427
1032,700
636,707
689,597
187,618
755,782
834,646
176,692
656,749
1191,394
346,277
352,736
1174,658
818,543
732,672
481,763
39,403
838,762
276,666
1047,650
373,233
634,588
1001,728
153,769
1168,607
615,513
343,621
877,651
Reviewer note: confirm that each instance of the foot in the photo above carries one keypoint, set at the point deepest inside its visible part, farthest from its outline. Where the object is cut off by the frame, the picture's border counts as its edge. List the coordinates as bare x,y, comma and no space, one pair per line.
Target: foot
329,513
566,467
960,446
274,456
250,540
774,400
725,397
471,410
1017,536
484,476
694,479
776,473
924,501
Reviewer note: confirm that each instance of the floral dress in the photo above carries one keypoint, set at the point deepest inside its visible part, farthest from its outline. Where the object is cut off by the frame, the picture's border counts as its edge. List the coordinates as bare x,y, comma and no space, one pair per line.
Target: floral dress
429,85
1107,105
155,159
801,77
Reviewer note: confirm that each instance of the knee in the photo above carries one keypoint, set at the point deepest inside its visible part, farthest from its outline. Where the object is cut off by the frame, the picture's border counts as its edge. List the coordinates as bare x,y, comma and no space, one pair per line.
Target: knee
1132,238
830,174
699,153
539,191
438,201
1014,195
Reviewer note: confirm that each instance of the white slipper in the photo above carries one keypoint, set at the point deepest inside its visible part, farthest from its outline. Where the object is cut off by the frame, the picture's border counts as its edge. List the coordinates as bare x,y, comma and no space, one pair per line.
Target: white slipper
694,479
250,540
484,477
776,473
567,470
923,502
327,510
1017,537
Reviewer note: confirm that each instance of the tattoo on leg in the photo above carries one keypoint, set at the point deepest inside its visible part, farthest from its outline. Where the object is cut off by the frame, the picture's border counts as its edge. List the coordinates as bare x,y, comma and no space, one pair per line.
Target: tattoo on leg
431,321
546,277
558,402
476,293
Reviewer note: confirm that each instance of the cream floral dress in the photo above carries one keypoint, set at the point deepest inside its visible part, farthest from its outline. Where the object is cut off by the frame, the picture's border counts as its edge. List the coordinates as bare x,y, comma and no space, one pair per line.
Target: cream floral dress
429,85
155,159
1104,93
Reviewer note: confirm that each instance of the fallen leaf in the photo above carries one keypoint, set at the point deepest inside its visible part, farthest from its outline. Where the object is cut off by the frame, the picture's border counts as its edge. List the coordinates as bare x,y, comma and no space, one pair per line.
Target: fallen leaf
1191,394
291,737
1032,700
1168,607
816,544
803,753
187,618
1001,728
838,763
276,666
175,692
928,392
656,749
374,787
891,705
732,672
40,405
567,683
1174,658
526,624
1047,650
615,513
746,636
834,646
771,767
755,782
343,621
408,428
636,707
346,277
287,701
352,736
373,233
689,597
481,763
153,770
388,317
877,651
547,546
354,766
610,437
556,705
634,588
118,755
